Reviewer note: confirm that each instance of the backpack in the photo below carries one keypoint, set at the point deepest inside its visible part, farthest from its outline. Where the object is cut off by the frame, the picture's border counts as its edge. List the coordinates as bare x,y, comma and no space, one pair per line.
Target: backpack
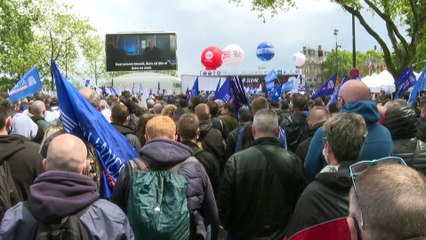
9,195
295,132
158,206
67,228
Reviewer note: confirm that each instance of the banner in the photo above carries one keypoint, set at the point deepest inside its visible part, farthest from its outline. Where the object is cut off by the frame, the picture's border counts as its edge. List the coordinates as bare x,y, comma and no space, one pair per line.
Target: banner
28,85
83,120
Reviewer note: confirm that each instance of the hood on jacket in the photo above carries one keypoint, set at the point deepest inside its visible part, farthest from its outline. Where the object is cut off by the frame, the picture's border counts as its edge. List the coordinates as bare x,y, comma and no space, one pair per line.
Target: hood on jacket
23,125
367,109
401,122
299,117
55,194
162,153
340,180
205,126
9,145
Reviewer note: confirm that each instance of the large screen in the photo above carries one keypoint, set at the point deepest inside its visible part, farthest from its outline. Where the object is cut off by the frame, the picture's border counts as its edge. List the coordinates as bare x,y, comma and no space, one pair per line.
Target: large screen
140,52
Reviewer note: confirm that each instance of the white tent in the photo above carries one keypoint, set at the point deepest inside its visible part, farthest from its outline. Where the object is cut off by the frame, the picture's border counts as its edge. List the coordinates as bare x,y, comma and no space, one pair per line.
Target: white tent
380,82
149,80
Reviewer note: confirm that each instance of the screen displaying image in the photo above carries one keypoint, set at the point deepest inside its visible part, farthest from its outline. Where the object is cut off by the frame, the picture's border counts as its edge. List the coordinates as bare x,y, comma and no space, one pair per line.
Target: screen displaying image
140,52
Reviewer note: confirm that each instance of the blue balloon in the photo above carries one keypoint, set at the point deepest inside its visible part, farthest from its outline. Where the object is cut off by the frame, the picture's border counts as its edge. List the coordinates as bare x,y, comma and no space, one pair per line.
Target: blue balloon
265,51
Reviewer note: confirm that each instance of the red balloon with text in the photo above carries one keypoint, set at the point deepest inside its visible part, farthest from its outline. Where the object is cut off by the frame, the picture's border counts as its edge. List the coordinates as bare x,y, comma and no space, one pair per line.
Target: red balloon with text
211,58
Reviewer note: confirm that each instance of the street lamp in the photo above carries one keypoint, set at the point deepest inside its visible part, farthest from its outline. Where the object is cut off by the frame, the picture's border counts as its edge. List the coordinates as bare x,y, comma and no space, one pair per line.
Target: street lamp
336,31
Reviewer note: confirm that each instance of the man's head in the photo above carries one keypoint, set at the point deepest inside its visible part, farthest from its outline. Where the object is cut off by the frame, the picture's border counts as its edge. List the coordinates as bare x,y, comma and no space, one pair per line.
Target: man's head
38,108
244,115
151,43
120,114
214,108
392,198
68,153
299,103
317,115
92,96
258,104
188,127
158,107
228,108
202,111
161,127
5,120
345,134
353,91
265,124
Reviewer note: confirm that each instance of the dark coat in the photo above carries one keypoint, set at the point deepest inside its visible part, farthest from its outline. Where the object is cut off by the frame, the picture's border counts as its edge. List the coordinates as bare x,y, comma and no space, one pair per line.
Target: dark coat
324,199
303,147
25,164
129,134
259,189
211,140
406,149
296,129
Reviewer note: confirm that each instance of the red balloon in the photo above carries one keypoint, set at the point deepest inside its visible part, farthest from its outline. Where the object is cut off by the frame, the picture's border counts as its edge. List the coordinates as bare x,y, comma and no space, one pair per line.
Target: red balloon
211,58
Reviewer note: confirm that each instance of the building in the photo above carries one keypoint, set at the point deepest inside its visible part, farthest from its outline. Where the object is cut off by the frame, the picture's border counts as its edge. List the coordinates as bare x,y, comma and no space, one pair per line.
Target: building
313,67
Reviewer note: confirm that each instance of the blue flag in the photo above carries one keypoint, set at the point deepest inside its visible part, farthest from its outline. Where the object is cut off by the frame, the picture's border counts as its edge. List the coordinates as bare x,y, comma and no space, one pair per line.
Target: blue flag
218,85
277,93
133,89
158,88
188,95
225,92
419,86
335,94
326,88
270,81
83,120
288,86
28,85
113,91
195,91
406,80
150,92
140,89
87,83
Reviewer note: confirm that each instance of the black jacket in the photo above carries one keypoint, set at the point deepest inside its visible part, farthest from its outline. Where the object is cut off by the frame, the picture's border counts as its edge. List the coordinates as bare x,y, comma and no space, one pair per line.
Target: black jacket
25,164
259,189
302,149
406,149
324,199
209,162
296,129
211,140
129,134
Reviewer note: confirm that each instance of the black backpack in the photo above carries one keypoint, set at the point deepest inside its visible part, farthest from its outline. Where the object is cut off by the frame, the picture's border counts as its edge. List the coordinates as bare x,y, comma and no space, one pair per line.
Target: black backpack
67,228
9,195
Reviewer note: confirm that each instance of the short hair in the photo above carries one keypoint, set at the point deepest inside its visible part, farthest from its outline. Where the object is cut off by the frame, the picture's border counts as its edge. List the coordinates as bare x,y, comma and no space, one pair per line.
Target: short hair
259,103
266,122
4,114
244,114
392,198
169,110
37,107
188,125
284,104
317,115
195,100
214,107
119,113
161,127
230,107
158,107
299,102
66,152
219,103
202,111
92,96
346,133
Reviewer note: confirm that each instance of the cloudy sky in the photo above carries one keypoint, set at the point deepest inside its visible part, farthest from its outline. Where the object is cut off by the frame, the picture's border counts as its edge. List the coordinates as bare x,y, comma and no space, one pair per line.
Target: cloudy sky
203,23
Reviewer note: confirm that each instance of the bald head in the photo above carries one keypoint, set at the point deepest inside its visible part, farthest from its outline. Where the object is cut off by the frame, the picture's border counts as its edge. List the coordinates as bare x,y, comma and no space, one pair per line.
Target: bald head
92,96
354,90
38,108
66,152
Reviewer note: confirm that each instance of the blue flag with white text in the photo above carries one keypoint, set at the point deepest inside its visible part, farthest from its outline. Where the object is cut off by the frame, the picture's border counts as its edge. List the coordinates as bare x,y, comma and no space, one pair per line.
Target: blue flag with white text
326,88
225,92
406,80
419,86
270,81
288,86
83,120
335,94
28,85
195,91
277,93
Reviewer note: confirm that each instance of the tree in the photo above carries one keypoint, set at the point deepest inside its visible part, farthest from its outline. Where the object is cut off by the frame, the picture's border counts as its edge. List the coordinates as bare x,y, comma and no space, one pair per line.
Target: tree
402,14
93,51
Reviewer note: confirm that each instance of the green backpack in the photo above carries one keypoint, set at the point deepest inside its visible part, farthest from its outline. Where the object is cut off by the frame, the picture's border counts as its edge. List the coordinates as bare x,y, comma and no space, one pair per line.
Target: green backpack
157,205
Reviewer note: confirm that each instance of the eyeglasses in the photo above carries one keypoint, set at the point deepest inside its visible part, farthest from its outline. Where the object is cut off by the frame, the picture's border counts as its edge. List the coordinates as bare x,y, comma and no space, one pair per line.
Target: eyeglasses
361,167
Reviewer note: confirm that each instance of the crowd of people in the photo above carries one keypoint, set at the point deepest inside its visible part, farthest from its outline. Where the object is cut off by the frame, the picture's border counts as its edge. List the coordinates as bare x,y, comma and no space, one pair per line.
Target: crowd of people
264,171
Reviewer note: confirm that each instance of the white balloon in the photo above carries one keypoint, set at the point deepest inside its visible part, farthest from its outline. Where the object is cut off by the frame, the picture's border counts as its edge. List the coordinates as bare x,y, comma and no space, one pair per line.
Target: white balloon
299,59
232,55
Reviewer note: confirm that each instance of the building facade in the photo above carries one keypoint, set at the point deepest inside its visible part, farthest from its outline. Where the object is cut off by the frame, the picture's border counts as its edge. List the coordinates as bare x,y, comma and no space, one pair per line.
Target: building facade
314,65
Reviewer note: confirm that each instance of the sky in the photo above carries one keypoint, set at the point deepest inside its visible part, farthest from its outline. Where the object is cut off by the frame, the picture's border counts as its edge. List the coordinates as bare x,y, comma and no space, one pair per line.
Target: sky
203,23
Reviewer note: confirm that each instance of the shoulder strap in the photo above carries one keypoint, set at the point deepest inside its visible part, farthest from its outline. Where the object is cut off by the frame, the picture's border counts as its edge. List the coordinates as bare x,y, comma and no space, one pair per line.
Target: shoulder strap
137,165
176,167
270,162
